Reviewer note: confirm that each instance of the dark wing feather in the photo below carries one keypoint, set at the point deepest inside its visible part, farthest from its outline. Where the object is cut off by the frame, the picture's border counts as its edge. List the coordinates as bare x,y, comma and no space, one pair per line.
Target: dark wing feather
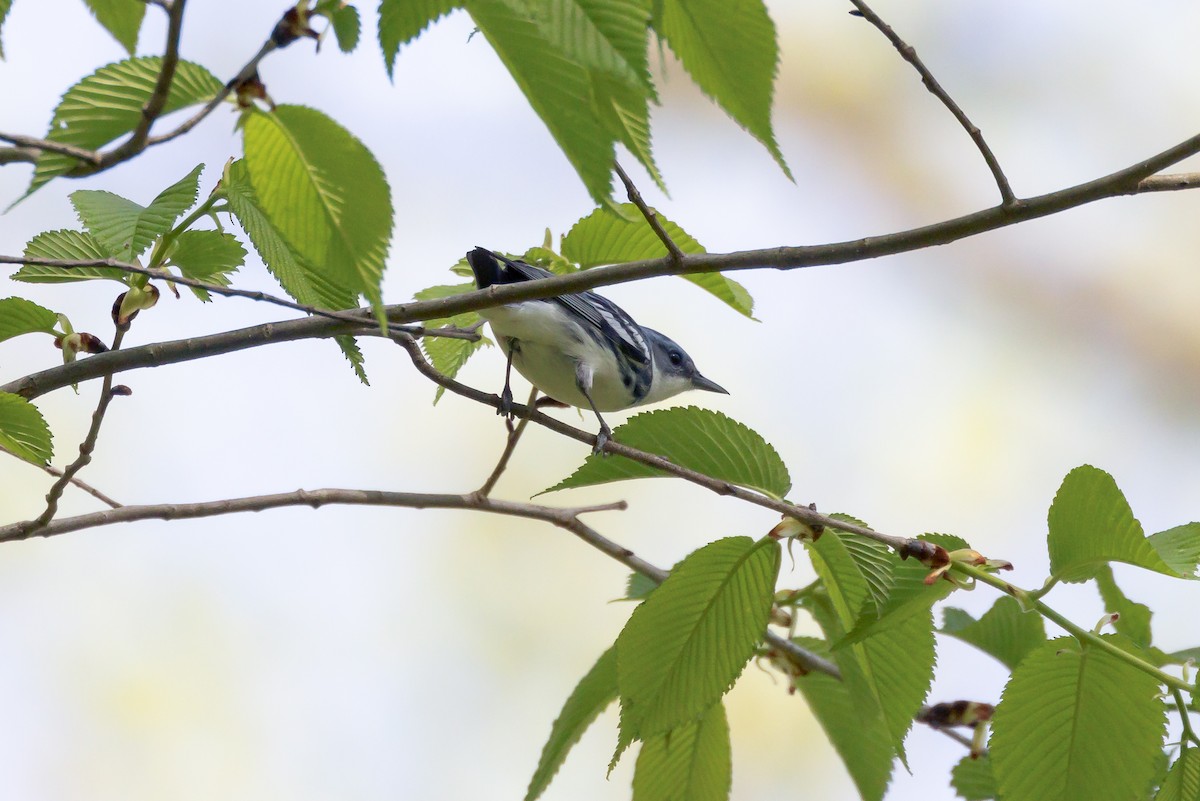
611,320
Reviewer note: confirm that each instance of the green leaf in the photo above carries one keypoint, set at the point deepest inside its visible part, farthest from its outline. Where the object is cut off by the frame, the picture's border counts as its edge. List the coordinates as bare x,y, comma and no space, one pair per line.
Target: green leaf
299,278
690,763
855,727
108,104
346,27
23,430
698,439
637,587
1183,779
1004,631
19,316
607,237
323,192
446,354
595,691
730,50
1179,547
304,282
401,21
604,35
892,668
624,111
558,88
125,229
66,245
874,562
909,595
121,18
1053,735
685,645
5,5
1134,618
1091,524
972,779
204,255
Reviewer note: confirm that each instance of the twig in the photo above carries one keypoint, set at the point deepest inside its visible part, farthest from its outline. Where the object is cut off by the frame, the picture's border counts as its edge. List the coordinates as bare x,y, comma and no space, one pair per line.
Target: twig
361,317
1171,182
78,482
635,197
35,144
509,446
314,498
717,486
85,448
909,54
1127,181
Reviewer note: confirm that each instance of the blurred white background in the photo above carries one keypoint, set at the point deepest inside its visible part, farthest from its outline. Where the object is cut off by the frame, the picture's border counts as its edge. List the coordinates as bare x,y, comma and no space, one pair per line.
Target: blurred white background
371,654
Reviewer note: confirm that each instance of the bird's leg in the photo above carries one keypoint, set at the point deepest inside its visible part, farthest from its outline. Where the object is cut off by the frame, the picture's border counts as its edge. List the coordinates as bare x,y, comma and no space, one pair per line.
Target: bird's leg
583,380
506,396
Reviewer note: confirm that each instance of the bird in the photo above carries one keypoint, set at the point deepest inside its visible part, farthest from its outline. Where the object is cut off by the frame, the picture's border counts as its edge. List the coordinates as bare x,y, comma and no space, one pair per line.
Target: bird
581,349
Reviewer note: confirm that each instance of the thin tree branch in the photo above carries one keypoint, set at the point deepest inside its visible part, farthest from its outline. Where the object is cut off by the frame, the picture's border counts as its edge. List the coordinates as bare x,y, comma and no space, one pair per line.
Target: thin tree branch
801,513
136,142
78,482
1171,182
1127,181
635,197
514,436
35,144
909,54
360,317
562,517
85,448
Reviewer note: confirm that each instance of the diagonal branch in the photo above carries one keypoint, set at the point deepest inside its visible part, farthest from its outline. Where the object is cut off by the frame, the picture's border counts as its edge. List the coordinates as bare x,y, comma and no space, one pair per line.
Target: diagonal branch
1134,179
801,513
78,482
635,197
909,54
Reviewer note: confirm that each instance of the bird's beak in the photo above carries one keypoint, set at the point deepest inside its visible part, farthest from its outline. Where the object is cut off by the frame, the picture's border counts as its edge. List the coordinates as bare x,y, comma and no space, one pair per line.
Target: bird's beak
700,382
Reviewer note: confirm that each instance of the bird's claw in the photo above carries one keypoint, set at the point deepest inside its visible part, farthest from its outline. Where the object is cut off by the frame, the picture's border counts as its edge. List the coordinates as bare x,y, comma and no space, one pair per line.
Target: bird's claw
602,439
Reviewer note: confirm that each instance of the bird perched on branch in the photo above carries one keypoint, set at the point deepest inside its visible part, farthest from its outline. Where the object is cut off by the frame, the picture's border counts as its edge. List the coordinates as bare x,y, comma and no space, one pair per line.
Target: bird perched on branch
581,349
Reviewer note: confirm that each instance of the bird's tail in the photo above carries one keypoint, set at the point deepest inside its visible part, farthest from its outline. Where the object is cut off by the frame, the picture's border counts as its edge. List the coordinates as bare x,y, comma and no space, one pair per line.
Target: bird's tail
486,267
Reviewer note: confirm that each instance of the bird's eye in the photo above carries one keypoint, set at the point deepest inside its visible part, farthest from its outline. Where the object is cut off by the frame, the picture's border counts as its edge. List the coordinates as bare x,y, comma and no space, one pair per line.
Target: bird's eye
676,357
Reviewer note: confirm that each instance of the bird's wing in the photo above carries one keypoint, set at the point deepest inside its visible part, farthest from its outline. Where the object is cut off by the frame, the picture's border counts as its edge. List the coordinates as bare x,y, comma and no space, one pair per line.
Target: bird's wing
613,322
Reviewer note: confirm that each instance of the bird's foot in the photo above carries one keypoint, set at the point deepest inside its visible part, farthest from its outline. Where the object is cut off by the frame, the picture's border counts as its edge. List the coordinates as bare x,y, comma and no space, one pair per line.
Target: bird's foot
602,439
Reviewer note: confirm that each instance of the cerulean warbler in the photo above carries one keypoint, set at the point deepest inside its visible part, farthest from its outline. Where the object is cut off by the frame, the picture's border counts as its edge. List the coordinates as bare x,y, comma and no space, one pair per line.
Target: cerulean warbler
581,349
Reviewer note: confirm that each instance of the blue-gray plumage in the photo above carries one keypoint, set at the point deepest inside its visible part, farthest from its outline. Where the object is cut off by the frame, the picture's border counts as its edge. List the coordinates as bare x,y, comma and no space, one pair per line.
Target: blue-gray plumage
582,349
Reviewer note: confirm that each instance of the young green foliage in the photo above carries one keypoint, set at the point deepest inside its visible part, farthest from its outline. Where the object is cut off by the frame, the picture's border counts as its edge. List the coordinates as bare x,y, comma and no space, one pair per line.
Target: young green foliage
692,762
1179,547
401,21
557,87
698,439
304,281
208,256
1133,619
1076,723
1091,524
108,104
5,5
856,729
446,354
125,229
19,316
730,50
1004,631
23,430
972,778
892,669
66,245
907,594
346,25
1183,779
595,691
686,644
324,194
121,18
612,237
